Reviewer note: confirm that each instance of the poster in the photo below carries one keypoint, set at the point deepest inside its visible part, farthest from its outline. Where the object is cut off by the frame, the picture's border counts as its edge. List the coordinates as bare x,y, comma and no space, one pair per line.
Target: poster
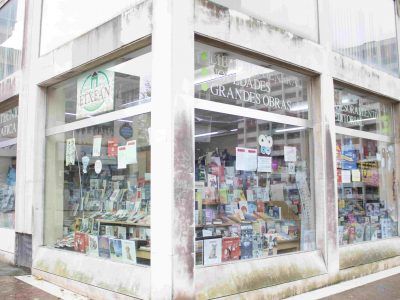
246,159
70,152
96,152
264,164
349,159
130,154
356,175
95,93
112,148
121,157
290,153
346,176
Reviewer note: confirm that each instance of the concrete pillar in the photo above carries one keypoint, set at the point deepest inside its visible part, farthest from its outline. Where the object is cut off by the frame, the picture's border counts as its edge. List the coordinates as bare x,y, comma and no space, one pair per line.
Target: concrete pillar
172,190
31,132
325,149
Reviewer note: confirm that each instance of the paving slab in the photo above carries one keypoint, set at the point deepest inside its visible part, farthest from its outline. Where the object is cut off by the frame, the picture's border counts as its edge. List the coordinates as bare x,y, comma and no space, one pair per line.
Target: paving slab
385,289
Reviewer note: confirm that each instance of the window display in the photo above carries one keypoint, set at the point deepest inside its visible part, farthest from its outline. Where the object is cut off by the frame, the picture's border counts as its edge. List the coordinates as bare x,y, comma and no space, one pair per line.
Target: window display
253,196
365,161
365,176
98,190
8,161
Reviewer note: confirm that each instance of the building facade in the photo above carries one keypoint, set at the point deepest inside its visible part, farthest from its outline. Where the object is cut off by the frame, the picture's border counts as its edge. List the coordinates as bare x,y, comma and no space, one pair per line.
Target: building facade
168,149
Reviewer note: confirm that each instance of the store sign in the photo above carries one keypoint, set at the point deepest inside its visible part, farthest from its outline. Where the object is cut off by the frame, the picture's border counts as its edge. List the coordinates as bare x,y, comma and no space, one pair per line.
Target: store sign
95,93
251,89
9,123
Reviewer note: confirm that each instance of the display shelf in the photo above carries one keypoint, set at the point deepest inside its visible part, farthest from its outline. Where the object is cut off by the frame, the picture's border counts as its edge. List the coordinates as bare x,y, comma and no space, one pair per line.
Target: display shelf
102,221
216,225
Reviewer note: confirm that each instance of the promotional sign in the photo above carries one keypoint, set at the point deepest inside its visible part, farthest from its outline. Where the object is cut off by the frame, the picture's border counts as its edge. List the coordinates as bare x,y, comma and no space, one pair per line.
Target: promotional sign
95,93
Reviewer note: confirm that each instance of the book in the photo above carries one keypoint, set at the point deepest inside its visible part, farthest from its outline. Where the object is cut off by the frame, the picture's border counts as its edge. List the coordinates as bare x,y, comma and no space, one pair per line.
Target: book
223,196
212,181
258,245
115,249
128,251
93,249
359,230
199,252
230,248
246,241
104,246
271,243
252,207
212,251
81,242
243,207
121,232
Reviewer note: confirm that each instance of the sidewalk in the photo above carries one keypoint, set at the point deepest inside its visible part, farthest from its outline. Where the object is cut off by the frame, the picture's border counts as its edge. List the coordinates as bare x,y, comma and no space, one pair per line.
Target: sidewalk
12,288
381,285
387,289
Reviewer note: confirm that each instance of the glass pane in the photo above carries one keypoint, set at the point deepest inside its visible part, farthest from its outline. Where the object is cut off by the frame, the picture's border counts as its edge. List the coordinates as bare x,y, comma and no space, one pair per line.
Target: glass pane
284,14
365,176
64,20
11,33
253,193
122,83
366,31
98,190
363,112
229,78
8,167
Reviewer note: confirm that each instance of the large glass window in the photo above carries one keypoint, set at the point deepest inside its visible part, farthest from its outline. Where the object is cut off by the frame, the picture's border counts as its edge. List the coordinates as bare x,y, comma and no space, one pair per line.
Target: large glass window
365,169
366,31
8,161
122,83
64,20
225,77
11,33
254,177
284,14
98,177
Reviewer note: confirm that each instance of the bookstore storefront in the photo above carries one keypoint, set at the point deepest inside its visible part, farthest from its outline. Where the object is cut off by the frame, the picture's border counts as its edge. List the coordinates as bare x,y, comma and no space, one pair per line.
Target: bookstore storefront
8,165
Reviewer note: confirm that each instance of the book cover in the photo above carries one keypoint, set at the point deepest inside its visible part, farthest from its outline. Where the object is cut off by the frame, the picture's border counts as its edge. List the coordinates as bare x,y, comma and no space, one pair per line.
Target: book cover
252,207
230,248
128,251
81,242
93,249
212,181
258,245
246,241
260,206
212,251
121,232
223,196
104,246
271,243
115,249
199,252
359,230
250,195
243,207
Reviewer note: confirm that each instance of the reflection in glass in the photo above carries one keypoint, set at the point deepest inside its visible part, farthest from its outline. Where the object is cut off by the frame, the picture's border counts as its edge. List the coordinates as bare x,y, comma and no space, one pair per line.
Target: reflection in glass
363,112
8,168
284,14
98,190
228,78
253,195
11,33
366,201
120,84
366,31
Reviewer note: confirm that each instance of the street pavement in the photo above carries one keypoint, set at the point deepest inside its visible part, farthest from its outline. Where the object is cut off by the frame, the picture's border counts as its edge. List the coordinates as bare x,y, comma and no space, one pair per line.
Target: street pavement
11,288
384,289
